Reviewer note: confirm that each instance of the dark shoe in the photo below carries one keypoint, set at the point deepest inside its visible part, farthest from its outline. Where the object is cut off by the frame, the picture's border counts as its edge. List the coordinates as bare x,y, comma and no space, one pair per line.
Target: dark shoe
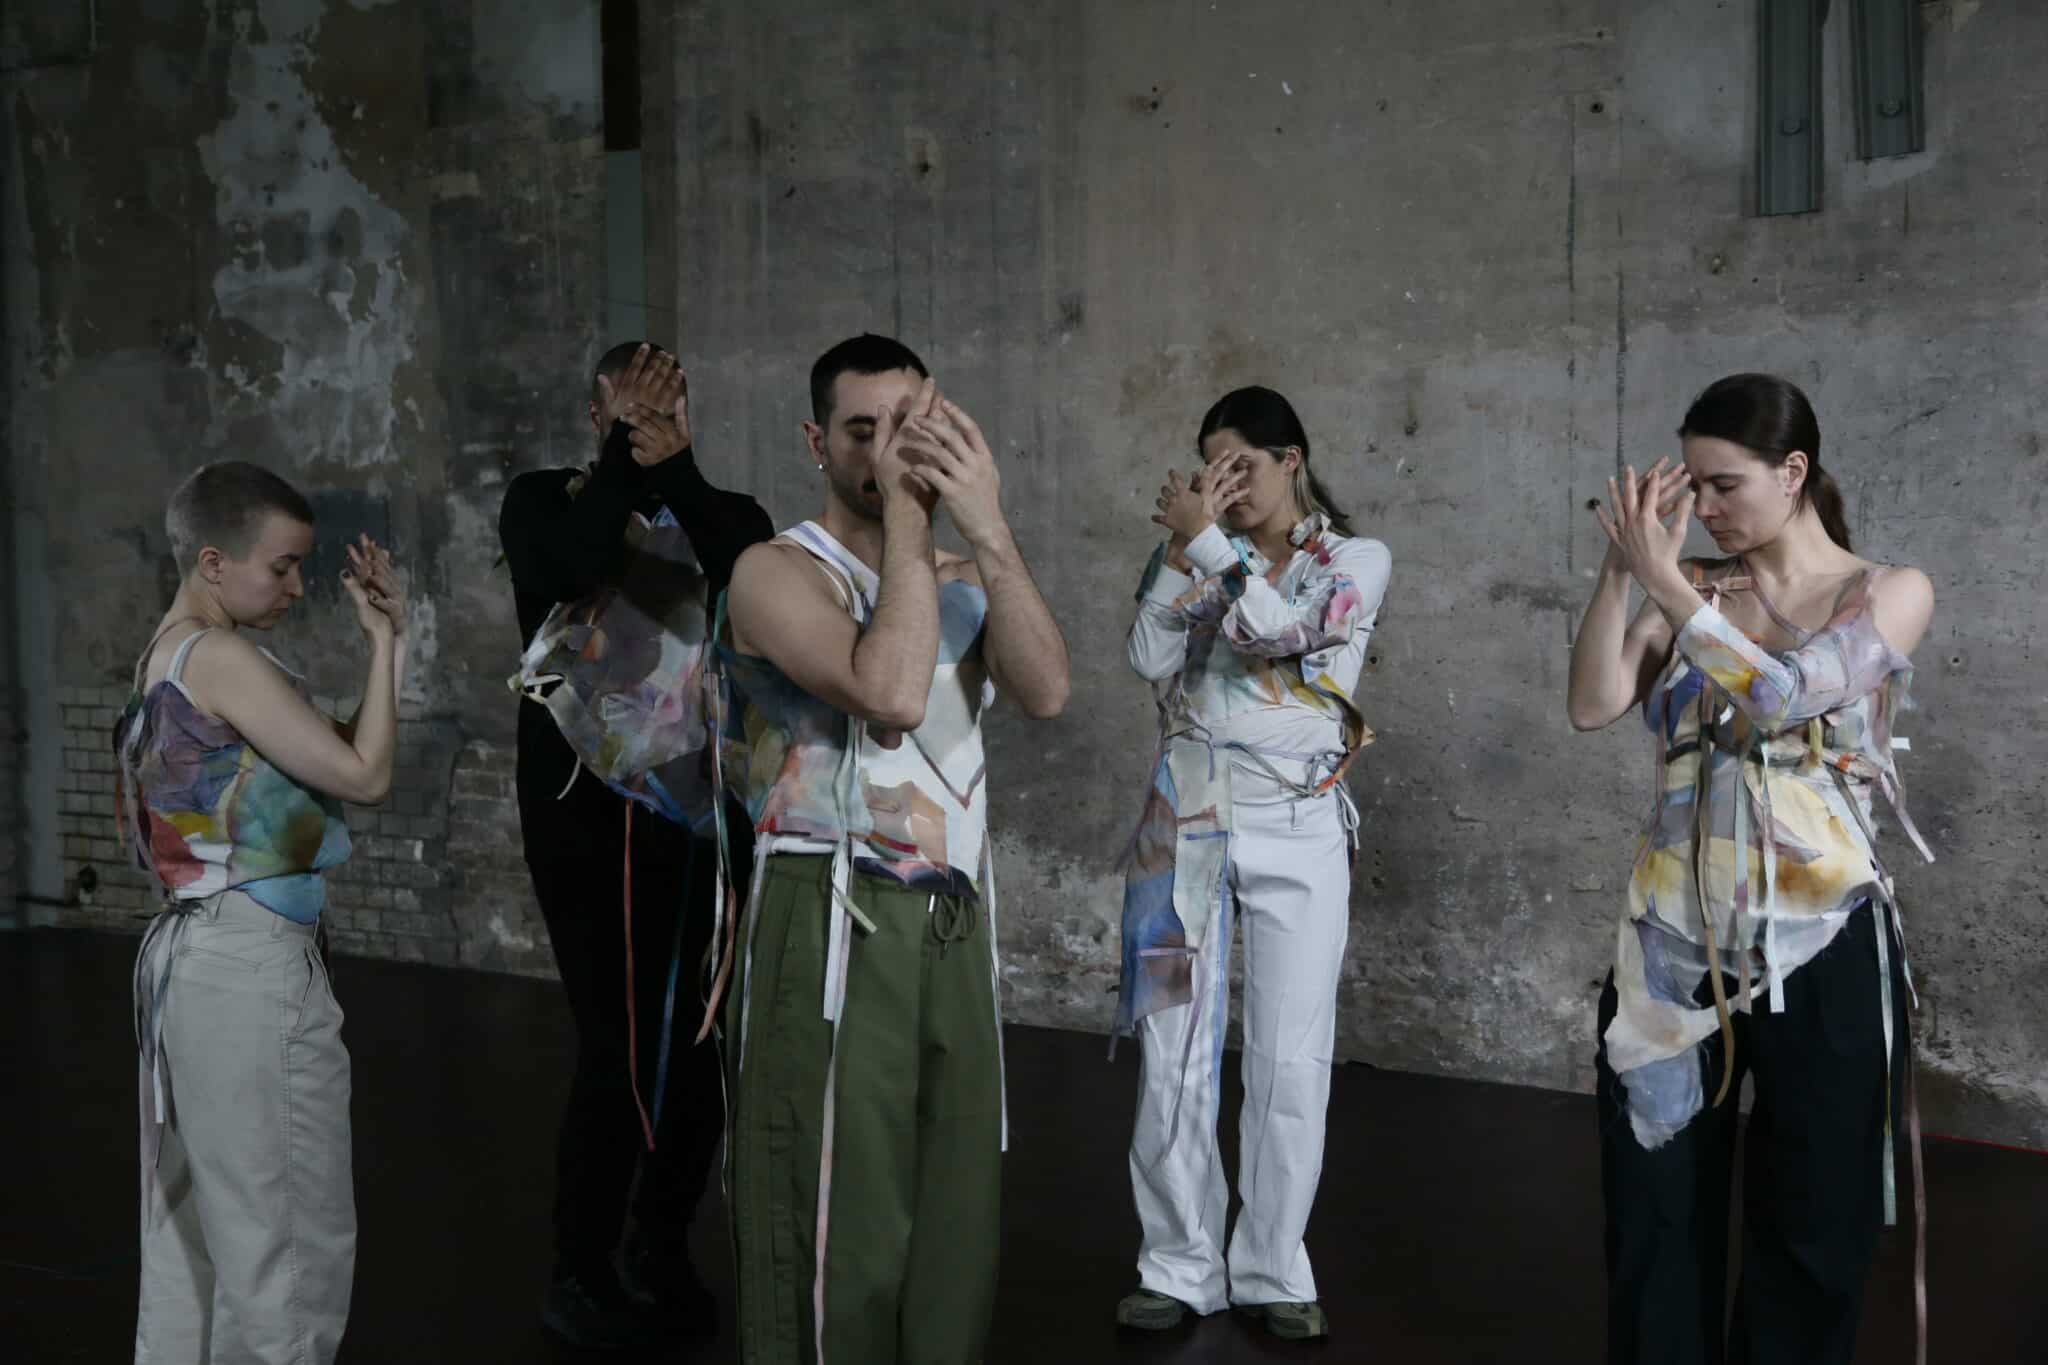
1149,1311
1293,1321
668,1286
591,1311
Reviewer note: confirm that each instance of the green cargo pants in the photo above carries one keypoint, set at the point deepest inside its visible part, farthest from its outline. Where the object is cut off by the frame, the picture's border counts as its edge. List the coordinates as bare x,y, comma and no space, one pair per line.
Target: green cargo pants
916,1167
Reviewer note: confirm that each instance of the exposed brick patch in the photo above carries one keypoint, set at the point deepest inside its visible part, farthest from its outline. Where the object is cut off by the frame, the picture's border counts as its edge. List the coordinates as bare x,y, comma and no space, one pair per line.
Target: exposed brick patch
436,873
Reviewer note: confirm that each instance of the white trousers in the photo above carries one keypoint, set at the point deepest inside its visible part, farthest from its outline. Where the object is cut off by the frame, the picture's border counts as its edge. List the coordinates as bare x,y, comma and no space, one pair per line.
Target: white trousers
1290,885
248,1219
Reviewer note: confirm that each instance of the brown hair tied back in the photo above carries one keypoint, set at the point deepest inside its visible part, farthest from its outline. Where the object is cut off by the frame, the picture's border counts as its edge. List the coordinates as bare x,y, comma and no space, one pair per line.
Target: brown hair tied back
1771,418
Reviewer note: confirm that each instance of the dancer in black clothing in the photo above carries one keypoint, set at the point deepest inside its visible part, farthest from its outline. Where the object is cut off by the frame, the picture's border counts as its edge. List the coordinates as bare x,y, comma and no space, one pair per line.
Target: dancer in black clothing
564,533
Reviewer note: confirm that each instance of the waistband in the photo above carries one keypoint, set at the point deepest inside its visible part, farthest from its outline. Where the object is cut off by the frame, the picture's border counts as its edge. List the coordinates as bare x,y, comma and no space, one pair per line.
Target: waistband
812,862
236,906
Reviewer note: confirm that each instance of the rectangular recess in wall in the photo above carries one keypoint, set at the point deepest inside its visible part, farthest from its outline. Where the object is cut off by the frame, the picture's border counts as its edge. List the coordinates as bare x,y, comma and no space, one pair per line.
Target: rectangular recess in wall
1885,51
339,516
625,230
1788,125
619,63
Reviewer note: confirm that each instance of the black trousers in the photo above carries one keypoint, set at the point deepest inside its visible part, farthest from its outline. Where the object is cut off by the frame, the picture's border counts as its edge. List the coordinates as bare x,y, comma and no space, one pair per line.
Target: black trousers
1813,1199
578,867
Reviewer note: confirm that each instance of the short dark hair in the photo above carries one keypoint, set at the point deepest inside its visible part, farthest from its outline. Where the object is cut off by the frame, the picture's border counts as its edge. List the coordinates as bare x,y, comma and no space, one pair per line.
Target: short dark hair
613,363
1771,417
864,354
224,505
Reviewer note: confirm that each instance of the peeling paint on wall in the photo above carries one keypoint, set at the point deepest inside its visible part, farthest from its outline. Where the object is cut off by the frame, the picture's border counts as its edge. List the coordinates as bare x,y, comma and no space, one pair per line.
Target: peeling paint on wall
316,256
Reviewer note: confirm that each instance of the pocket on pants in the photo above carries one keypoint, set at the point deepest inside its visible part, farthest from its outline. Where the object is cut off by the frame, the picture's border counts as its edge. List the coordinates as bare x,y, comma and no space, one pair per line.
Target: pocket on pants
235,944
213,957
309,995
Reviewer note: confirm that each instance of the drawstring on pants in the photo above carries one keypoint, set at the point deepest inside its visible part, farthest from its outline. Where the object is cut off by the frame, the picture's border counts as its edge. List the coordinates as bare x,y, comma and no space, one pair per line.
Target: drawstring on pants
952,920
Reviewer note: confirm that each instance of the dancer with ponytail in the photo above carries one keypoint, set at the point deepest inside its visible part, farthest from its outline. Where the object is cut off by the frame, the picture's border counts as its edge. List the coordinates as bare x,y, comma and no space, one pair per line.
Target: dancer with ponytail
1762,937
1253,619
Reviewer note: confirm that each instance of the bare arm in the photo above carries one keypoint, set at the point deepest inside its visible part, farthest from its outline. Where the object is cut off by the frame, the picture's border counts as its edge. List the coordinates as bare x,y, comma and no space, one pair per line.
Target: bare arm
1614,665
1615,661
380,580
1025,651
231,678
1847,658
783,610
347,728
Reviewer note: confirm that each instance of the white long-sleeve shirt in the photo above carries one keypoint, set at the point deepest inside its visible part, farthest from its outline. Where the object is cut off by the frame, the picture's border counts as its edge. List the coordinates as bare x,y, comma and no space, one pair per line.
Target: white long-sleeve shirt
1263,655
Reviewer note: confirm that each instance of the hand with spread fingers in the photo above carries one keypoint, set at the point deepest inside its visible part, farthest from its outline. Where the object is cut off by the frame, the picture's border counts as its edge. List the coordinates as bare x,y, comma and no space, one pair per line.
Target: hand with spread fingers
1188,510
661,428
650,395
896,441
635,384
954,461
372,584
1646,519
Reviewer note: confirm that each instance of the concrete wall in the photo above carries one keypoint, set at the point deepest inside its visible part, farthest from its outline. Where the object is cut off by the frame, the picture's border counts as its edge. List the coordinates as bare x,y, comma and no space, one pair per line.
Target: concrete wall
361,243
1491,250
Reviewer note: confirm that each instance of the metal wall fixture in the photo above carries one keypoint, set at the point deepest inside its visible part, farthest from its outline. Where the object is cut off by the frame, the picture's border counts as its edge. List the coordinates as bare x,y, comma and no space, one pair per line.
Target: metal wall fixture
1885,52
1788,123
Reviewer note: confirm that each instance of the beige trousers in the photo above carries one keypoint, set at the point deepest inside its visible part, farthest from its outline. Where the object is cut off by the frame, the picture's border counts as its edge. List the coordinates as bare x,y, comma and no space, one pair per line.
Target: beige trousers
248,1207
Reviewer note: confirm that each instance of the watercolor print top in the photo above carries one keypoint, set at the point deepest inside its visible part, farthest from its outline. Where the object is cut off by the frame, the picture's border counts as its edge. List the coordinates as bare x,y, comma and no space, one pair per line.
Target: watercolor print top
206,813
1760,840
622,672
1258,660
913,806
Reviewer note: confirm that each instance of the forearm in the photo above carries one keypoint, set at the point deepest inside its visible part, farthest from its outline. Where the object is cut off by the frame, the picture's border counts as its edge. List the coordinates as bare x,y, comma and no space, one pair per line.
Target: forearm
1157,646
373,732
347,728
720,525
1335,602
564,548
1024,644
895,656
1602,685
1841,662
1675,597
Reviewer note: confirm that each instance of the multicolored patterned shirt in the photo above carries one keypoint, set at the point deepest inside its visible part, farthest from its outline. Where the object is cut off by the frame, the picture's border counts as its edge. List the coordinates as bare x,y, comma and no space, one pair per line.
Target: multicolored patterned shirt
206,813
916,811
1254,667
622,671
1761,839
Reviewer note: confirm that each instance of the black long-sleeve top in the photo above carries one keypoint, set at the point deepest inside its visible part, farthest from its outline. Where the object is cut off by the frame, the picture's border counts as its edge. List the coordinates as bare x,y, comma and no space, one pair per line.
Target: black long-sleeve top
562,548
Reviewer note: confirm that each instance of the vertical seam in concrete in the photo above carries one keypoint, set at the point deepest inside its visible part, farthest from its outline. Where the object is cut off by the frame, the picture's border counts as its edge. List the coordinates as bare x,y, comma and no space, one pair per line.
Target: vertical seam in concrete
1620,302
1571,320
1620,363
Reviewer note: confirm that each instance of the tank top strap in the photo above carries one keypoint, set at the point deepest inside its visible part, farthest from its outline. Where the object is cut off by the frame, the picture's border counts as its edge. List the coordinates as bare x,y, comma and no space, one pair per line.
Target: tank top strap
852,580
175,674
178,660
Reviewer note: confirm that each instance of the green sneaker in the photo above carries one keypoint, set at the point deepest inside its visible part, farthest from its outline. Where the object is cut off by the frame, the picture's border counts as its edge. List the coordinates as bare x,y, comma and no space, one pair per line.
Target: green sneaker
1293,1321
1149,1311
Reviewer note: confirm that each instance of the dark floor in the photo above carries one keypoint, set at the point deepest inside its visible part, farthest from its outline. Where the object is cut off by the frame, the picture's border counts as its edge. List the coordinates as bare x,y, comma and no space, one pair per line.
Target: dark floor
1458,1222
